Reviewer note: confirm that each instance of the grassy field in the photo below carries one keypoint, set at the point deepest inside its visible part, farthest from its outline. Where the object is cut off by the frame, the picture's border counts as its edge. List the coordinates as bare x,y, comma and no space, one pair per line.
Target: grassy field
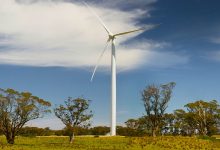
217,136
110,143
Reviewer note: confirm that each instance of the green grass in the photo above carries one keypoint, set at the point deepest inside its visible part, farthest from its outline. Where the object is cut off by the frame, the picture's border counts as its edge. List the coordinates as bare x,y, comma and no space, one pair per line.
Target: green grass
110,143
216,136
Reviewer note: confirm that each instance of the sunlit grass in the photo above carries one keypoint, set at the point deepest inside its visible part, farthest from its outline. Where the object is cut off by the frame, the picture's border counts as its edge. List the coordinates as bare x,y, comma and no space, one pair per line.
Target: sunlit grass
216,136
110,143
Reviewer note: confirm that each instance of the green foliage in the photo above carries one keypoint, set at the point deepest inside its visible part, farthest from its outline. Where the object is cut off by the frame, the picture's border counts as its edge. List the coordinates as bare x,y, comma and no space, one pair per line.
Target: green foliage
125,131
207,138
100,130
35,131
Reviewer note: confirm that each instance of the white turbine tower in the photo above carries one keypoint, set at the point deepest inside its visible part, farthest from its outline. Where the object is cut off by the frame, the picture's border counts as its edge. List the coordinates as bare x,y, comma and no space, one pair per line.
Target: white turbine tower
111,38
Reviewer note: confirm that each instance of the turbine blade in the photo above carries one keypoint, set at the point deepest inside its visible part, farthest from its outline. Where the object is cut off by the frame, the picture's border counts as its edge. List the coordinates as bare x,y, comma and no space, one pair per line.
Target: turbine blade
123,33
97,64
141,29
100,20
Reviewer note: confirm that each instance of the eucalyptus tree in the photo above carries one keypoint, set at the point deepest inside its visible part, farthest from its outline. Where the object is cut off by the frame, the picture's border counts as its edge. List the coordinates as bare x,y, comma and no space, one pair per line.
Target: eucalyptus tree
75,113
17,108
156,100
204,115
132,123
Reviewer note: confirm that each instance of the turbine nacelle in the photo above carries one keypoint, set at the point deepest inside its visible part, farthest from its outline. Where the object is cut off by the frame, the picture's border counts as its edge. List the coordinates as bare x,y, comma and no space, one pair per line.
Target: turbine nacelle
111,37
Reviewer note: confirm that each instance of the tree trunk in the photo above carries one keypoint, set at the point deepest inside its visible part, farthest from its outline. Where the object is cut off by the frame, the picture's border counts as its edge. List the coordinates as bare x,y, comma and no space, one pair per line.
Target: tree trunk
154,133
204,131
72,138
10,138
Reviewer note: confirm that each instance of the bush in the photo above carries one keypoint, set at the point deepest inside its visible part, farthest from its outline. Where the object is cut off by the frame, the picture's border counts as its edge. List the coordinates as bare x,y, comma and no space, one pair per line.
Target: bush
207,138
100,130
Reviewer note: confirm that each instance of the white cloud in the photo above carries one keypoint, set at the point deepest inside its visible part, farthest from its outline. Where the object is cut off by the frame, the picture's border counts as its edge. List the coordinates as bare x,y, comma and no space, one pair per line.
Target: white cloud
131,4
214,56
47,33
155,56
215,40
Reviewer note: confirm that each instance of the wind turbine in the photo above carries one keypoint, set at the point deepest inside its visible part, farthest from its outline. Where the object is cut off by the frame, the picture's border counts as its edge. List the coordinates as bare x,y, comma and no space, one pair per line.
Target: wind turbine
111,38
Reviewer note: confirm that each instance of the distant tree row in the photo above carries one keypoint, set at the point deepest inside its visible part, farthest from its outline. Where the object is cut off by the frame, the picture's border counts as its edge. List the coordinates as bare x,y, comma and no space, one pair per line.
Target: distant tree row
35,131
95,131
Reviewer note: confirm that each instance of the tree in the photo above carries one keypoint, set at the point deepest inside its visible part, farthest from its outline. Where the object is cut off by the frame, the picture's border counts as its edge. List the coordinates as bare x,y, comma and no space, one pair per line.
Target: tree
200,117
74,114
132,123
135,127
155,100
16,109
168,124
204,116
182,123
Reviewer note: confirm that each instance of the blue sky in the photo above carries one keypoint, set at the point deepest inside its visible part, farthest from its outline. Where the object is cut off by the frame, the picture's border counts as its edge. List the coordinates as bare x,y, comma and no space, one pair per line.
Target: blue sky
50,48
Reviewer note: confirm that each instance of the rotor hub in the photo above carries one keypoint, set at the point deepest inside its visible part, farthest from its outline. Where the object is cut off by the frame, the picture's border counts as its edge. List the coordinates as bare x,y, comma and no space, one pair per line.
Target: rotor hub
111,37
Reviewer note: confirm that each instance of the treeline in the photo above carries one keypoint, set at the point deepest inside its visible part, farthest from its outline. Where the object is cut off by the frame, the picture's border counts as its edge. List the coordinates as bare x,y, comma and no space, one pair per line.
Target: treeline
96,131
197,118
